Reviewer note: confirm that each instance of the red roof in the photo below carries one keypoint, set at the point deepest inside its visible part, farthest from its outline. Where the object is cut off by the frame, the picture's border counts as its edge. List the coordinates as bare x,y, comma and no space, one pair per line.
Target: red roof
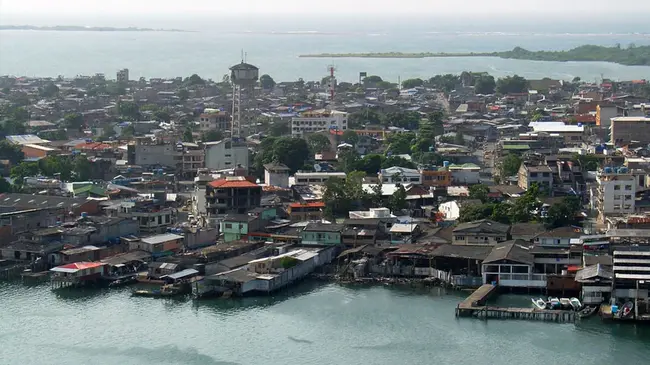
82,265
308,205
225,183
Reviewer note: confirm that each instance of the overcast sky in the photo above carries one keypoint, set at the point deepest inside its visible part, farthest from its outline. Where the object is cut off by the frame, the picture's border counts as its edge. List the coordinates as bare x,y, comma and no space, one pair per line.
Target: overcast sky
581,8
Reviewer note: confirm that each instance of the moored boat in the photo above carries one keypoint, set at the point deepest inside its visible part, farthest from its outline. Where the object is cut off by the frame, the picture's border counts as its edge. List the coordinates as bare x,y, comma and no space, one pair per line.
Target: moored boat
626,311
587,312
565,303
554,303
539,303
575,303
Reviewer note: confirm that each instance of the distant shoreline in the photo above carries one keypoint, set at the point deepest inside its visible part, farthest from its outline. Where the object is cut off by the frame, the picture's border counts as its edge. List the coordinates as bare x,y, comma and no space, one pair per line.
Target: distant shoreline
631,56
75,28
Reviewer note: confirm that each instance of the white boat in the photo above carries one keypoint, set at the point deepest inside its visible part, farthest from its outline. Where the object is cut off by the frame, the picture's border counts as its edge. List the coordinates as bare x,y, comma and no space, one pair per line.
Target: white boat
566,303
554,303
539,303
575,303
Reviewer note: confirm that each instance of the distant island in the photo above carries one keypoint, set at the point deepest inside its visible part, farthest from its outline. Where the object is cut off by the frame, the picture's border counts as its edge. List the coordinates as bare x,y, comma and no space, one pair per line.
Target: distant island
630,56
76,28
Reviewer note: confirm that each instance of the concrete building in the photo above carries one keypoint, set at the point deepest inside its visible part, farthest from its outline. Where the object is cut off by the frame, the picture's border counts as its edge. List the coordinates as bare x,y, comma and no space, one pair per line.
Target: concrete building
572,134
315,178
624,130
153,153
214,119
436,177
481,232
123,75
318,120
465,174
226,154
396,174
541,175
232,195
616,191
276,174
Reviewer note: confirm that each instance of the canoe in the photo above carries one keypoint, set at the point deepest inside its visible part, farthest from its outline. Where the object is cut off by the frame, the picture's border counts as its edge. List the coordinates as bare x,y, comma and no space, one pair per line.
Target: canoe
539,303
587,312
575,303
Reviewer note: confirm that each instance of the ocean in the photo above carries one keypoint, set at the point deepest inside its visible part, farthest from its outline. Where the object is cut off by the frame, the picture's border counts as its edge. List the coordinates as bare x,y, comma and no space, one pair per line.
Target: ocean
274,46
313,323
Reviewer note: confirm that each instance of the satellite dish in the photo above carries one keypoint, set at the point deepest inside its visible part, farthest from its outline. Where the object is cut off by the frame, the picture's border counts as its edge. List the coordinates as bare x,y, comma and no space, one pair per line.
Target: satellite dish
317,167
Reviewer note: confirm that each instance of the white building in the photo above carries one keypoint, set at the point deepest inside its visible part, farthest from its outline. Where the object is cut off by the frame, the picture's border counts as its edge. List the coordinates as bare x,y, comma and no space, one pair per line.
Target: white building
276,174
214,119
468,173
318,120
315,178
123,75
396,174
226,154
616,192
451,209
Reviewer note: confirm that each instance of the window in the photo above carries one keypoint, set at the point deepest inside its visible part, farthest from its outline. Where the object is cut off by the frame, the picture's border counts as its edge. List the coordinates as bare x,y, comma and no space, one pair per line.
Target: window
628,197
617,187
545,174
628,187
228,225
460,238
533,174
617,197
617,206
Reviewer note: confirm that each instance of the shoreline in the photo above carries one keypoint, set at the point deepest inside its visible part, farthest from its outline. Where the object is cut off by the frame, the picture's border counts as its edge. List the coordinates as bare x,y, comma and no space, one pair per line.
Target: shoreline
75,28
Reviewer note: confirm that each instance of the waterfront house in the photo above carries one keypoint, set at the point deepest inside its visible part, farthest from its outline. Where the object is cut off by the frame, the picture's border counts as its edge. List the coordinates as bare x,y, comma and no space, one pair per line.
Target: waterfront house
322,234
401,233
159,269
481,232
596,281
310,211
631,273
237,226
354,237
555,260
78,273
159,245
25,250
125,264
232,195
510,264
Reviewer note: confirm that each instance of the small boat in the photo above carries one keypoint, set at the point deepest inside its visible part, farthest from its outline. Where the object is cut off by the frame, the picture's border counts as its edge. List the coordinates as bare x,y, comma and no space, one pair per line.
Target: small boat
539,303
575,303
588,311
626,311
554,303
565,303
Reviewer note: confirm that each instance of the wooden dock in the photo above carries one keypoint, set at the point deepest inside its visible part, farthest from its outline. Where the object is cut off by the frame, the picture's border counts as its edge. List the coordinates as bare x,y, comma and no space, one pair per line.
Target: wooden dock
475,306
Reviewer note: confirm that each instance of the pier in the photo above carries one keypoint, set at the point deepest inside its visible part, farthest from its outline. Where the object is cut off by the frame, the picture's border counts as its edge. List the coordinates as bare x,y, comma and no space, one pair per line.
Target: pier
475,306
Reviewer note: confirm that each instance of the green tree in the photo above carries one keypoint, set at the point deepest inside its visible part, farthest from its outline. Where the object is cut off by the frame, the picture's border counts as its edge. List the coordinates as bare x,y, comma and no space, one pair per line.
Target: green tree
588,162
403,119
485,85
564,213
400,143
511,85
187,135
349,160
194,80
474,212
11,152
412,83
523,208
162,115
391,161
363,117
128,110
377,196
445,83
319,143
479,191
49,90
397,201
56,165
128,131
183,95
336,198
459,138
350,137
267,82
371,163
279,128
292,152
212,136
510,165
5,186
73,121
23,170
82,169
372,79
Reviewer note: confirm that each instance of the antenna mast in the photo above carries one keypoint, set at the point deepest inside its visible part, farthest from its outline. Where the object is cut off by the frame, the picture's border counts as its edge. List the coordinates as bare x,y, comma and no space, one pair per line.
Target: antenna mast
332,83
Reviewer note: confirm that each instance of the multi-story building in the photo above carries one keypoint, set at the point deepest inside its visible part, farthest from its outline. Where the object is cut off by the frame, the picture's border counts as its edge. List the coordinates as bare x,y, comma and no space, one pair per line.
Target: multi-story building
193,161
631,273
436,177
214,119
316,178
123,75
624,130
152,217
541,175
226,154
402,175
147,152
465,174
616,192
276,174
305,212
318,120
233,194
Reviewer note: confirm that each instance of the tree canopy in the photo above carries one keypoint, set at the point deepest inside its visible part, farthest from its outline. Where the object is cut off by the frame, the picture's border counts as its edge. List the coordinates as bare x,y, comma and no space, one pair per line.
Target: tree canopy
73,121
510,165
128,110
350,137
267,82
11,152
511,85
48,90
194,80
485,84
212,136
293,152
319,143
411,83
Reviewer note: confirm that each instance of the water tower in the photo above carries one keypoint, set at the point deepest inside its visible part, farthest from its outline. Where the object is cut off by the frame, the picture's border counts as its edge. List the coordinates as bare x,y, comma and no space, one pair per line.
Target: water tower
244,77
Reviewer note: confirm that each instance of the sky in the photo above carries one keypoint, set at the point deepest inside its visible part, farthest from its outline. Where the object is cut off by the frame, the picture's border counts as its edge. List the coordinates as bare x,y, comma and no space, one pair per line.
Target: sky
68,8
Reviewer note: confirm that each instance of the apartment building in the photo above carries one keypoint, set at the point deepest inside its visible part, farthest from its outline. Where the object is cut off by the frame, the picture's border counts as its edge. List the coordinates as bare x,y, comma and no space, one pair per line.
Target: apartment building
624,130
214,119
616,192
318,120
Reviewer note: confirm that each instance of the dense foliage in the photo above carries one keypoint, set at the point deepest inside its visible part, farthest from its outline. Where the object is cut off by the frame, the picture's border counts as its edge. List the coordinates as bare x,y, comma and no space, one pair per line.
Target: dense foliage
632,55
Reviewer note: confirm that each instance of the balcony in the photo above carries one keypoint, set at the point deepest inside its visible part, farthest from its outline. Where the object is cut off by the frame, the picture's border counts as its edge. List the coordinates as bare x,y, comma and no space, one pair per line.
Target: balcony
520,280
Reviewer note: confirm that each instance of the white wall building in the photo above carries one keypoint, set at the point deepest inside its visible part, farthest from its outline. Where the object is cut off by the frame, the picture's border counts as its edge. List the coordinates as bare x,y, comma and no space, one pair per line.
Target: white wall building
276,175
616,192
315,178
465,174
226,154
318,120
396,174
214,119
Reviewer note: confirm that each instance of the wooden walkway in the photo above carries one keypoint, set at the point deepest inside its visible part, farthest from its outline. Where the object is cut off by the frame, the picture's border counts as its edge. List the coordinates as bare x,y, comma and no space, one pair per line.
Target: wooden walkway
478,298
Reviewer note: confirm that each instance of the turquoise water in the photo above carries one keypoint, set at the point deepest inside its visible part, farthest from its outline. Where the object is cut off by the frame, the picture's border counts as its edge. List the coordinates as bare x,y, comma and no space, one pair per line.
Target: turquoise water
274,46
314,323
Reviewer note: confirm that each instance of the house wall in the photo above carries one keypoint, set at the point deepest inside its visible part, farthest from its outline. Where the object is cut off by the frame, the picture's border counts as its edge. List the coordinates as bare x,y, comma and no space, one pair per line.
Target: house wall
477,239
451,210
233,231
165,155
226,155
465,176
321,238
201,238
436,178
280,179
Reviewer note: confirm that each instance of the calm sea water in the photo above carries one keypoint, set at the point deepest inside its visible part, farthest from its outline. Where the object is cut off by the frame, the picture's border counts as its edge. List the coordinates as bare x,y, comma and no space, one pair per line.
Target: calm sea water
274,46
314,323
